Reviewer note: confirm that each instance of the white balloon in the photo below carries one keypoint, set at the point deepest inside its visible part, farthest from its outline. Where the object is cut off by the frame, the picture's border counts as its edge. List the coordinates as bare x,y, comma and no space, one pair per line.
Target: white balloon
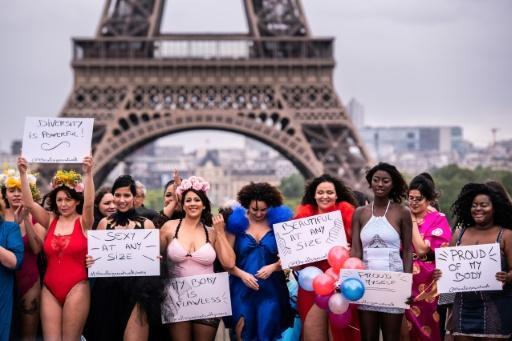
338,304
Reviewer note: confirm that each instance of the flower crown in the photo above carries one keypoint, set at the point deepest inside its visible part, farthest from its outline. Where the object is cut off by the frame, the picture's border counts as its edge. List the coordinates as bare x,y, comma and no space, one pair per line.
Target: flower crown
194,182
70,179
11,178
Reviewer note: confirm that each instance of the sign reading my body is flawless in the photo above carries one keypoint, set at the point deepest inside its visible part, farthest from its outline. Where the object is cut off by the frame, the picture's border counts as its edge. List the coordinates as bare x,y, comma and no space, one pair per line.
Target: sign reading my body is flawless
196,297
123,253
56,139
307,240
469,268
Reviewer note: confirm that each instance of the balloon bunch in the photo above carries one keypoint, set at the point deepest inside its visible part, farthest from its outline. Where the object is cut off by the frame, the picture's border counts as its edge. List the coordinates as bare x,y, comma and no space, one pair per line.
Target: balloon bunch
331,294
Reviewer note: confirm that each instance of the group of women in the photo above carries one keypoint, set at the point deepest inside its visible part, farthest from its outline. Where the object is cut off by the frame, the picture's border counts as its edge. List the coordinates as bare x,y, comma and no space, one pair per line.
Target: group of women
385,234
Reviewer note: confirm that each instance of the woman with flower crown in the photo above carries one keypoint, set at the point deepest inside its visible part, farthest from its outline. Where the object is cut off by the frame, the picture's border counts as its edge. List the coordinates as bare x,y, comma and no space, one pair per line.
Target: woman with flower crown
123,307
28,285
65,294
192,246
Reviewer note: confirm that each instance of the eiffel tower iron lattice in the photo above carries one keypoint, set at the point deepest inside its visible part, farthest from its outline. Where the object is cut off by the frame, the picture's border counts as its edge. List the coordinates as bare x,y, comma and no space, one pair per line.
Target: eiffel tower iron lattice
273,84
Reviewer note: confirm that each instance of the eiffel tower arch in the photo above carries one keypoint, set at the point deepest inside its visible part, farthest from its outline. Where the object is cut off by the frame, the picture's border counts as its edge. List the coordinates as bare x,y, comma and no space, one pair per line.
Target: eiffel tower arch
274,83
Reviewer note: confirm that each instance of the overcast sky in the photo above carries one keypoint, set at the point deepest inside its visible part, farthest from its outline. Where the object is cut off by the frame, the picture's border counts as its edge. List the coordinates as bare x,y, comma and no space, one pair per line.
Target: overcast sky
436,62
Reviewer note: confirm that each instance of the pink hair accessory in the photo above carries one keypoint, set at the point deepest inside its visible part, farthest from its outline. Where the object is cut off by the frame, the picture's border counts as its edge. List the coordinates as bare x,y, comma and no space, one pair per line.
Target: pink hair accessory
196,183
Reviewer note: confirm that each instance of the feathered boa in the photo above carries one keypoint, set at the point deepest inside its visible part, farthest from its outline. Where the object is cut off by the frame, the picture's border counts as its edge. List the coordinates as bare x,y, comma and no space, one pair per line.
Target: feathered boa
238,222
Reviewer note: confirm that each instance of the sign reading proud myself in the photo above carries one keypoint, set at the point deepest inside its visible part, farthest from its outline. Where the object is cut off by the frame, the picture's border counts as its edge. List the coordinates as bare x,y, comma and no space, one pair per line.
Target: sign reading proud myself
57,139
308,240
196,297
469,268
382,288
122,253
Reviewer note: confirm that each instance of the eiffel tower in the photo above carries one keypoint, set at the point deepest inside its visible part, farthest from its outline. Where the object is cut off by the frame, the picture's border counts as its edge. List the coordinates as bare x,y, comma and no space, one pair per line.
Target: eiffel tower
274,84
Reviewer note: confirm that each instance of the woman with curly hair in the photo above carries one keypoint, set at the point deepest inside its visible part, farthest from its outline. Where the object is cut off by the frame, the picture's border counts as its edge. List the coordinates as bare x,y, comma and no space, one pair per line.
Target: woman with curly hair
65,296
192,245
322,195
259,295
381,237
430,230
484,215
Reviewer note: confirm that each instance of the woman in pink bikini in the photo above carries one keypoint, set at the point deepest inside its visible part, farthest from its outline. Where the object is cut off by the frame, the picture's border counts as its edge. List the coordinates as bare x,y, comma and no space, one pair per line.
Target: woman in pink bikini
65,295
28,285
192,246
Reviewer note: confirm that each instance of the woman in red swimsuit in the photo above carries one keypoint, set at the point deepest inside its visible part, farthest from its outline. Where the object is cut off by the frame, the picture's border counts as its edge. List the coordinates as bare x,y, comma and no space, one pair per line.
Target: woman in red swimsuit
325,194
65,294
28,285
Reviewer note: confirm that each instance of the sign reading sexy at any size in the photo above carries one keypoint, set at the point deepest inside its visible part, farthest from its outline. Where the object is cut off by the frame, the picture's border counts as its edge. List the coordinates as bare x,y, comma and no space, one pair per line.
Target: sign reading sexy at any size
122,253
469,268
57,140
307,240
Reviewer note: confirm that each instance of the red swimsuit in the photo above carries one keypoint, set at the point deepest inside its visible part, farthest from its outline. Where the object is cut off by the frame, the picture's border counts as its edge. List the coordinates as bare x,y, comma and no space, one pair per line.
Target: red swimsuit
66,260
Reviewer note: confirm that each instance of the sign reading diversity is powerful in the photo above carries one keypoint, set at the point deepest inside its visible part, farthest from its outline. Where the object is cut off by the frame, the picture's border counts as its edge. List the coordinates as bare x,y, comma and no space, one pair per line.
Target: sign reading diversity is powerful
382,288
122,253
196,297
308,240
469,268
57,140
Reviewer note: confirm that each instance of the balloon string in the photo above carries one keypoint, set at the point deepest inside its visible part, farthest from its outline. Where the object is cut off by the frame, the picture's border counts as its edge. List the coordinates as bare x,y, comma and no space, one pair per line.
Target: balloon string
424,290
351,326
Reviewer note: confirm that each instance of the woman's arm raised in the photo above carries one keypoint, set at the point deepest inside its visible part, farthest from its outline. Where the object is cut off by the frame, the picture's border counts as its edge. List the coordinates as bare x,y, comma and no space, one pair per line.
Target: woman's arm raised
41,215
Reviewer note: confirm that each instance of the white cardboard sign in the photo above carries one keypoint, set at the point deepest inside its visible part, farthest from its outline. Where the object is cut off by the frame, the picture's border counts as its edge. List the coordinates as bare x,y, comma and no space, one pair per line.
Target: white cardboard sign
307,240
382,288
469,268
196,297
124,253
57,139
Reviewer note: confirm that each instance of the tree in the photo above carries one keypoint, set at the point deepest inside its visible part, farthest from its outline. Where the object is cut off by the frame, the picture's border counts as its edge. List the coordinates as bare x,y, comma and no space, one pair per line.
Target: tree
292,186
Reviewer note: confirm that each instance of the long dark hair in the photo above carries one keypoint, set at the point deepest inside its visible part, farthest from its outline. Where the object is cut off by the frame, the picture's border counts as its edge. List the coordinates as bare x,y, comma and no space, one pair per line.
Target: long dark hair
70,192
399,190
206,214
97,200
343,192
461,208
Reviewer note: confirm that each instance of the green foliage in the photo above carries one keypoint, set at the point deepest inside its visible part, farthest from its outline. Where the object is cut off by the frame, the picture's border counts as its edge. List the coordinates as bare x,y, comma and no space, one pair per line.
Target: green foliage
154,199
292,186
450,180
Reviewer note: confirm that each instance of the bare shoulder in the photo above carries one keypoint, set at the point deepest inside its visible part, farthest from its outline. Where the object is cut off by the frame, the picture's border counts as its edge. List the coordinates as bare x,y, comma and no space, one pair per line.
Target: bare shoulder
169,228
102,224
507,235
148,224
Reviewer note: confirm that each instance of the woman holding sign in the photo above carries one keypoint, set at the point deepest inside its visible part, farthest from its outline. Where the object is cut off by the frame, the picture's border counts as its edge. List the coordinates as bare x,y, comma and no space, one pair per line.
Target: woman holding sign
322,195
430,230
258,286
382,239
192,246
27,278
65,295
121,307
485,217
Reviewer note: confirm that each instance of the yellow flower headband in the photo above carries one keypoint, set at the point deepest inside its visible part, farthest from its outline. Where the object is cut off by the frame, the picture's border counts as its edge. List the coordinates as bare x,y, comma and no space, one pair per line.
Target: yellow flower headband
69,179
10,178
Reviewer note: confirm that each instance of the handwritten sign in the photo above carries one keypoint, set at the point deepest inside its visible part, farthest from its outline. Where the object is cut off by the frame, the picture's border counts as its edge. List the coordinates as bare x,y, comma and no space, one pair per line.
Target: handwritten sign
196,297
307,240
469,268
382,288
56,139
123,253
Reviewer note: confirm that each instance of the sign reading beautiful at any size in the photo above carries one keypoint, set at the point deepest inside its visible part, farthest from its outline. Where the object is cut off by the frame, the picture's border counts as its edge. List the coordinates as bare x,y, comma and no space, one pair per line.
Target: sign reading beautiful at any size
469,268
196,297
57,140
122,253
307,240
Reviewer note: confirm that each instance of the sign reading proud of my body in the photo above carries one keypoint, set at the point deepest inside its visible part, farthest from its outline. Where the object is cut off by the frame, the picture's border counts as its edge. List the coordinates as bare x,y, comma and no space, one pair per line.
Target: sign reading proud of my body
57,140
469,268
308,240
382,288
122,253
196,297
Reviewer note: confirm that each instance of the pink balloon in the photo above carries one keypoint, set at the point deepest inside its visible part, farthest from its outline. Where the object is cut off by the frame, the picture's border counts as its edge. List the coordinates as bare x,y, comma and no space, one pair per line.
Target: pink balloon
322,301
332,273
354,263
338,304
340,320
336,256
323,284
